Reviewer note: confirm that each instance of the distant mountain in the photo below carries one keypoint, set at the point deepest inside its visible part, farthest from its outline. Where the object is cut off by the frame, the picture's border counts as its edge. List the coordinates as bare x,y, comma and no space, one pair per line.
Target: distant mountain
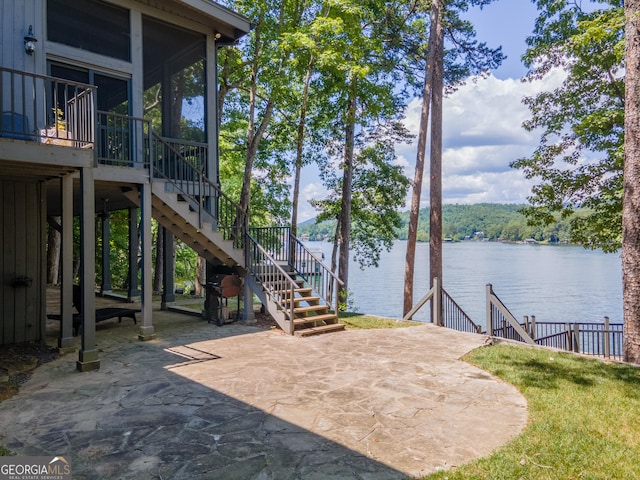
478,221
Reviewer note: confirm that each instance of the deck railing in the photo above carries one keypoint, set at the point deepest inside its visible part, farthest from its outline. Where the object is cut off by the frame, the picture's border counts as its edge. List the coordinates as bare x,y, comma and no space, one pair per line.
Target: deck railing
46,109
277,283
123,140
598,339
316,274
445,312
188,179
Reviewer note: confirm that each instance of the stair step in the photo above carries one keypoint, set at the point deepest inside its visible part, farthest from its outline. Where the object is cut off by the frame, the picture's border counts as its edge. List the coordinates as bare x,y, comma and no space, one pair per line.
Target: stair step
311,308
302,291
311,300
307,332
327,317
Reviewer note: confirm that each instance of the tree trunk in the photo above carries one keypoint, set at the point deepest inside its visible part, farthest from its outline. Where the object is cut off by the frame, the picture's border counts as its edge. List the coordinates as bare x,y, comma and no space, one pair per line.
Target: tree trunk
53,253
631,202
435,218
300,144
201,278
412,235
347,180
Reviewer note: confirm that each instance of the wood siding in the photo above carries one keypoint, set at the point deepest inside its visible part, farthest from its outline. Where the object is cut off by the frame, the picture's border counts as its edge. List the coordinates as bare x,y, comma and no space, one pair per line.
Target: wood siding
15,18
22,306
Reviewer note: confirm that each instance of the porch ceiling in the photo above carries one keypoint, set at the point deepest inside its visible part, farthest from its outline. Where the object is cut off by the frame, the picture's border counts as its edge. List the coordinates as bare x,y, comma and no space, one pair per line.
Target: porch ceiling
36,172
228,23
110,191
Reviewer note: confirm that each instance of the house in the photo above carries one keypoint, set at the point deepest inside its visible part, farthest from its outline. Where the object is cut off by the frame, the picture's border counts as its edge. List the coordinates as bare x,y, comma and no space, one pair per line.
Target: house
76,141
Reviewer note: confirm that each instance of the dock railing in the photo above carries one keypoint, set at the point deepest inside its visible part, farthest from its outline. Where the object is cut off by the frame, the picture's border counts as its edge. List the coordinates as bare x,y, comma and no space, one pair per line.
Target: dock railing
445,312
588,338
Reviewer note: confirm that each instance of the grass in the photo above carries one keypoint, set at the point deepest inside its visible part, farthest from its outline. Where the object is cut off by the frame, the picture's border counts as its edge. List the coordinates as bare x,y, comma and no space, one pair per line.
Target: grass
362,322
584,418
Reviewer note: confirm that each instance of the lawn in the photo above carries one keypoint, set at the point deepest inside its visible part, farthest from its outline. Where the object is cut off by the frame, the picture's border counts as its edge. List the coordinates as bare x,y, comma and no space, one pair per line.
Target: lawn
584,418
363,322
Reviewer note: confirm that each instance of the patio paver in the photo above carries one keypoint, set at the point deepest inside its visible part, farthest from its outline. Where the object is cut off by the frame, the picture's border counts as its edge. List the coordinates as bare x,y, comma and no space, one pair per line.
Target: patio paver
239,402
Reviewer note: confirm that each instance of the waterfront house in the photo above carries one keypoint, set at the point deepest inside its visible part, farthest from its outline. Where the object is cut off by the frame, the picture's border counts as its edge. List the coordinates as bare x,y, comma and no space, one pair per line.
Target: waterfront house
76,140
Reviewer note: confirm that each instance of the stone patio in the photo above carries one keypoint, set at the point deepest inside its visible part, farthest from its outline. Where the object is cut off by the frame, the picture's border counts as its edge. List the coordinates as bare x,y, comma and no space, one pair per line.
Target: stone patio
242,402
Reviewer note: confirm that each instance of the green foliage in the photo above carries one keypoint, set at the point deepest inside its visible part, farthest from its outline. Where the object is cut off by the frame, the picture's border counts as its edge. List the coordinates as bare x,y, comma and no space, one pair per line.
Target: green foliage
579,161
504,221
582,417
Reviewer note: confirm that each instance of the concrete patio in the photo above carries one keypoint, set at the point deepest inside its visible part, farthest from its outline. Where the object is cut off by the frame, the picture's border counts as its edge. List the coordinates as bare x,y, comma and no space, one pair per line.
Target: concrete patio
241,402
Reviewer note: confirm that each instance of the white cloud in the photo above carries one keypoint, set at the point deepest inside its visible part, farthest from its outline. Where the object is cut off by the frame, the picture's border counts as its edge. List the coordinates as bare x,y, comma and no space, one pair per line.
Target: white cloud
314,190
482,135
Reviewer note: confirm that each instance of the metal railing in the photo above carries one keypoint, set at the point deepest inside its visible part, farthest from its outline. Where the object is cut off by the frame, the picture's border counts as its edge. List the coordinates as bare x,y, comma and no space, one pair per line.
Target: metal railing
274,239
205,197
453,316
445,312
123,140
315,273
284,248
598,339
276,282
46,109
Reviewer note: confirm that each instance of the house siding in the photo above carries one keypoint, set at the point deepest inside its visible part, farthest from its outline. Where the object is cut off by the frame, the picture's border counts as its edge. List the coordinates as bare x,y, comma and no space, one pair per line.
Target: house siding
23,307
15,18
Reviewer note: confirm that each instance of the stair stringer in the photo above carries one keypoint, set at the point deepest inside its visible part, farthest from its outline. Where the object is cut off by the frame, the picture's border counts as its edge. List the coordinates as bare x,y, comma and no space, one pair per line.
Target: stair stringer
280,316
178,217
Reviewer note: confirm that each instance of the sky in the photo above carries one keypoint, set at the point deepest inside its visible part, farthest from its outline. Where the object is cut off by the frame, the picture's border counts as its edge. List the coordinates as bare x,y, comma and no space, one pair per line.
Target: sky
482,132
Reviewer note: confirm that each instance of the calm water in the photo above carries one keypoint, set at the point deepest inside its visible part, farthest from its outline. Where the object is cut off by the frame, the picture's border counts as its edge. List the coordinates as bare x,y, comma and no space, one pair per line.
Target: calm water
554,283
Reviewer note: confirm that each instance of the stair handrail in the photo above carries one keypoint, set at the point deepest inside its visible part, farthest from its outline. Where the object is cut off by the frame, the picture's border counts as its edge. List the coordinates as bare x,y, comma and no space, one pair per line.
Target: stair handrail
204,195
315,273
496,310
277,283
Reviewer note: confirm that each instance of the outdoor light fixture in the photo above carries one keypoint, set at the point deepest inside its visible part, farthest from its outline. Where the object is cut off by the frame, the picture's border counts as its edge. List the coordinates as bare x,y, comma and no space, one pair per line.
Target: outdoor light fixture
30,42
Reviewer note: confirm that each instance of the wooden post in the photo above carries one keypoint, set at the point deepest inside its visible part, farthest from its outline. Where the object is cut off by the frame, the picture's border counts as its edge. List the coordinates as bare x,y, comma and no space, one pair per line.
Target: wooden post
437,302
88,353
489,291
569,338
533,327
526,324
576,344
606,339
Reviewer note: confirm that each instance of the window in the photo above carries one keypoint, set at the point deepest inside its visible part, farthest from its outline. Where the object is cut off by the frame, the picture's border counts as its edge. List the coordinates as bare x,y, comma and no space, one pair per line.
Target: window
91,25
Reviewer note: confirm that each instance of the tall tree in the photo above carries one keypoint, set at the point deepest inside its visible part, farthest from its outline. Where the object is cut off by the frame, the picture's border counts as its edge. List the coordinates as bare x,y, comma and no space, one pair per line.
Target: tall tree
414,211
435,164
589,154
631,202
579,161
444,69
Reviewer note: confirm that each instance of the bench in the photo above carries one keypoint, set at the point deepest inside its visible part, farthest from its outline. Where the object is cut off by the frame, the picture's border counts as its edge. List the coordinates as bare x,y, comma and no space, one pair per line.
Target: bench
104,313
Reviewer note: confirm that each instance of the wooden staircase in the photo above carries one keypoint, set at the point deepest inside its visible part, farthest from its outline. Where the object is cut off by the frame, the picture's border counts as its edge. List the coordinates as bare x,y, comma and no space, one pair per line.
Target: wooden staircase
175,213
182,215
310,316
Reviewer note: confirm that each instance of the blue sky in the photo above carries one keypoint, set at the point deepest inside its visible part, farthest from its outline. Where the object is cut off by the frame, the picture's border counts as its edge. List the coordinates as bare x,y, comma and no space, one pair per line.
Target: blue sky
482,130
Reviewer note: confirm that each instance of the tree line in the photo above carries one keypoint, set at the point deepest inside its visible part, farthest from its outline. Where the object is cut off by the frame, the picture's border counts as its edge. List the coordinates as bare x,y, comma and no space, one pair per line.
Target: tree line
490,221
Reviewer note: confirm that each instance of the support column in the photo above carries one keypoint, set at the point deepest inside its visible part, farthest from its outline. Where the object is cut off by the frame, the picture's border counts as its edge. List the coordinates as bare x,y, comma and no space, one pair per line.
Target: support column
211,311
248,316
133,293
105,218
88,354
66,340
146,329
168,287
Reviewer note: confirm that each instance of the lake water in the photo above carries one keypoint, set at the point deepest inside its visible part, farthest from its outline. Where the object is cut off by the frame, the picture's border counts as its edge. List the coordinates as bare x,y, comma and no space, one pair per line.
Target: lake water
563,283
